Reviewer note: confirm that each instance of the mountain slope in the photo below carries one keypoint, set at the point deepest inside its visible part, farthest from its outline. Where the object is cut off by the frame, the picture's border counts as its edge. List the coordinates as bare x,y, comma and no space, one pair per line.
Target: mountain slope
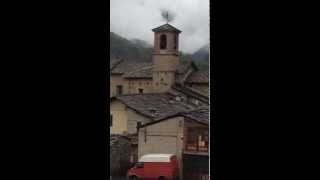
201,57
139,50
136,50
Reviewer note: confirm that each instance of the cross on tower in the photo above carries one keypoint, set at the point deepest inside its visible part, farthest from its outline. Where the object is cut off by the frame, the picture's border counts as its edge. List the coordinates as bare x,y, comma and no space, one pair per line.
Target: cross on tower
166,16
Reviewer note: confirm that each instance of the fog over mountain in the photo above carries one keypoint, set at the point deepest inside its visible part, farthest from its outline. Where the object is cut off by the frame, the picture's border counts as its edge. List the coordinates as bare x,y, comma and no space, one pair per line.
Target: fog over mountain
140,50
134,19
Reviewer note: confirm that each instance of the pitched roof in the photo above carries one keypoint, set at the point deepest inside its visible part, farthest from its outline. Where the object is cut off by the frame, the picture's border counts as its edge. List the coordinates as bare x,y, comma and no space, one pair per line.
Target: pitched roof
132,69
184,66
200,90
198,115
200,76
190,92
166,27
142,72
114,63
155,106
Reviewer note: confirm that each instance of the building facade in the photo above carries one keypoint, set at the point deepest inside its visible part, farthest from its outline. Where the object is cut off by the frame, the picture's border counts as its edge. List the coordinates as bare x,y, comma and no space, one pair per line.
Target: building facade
185,135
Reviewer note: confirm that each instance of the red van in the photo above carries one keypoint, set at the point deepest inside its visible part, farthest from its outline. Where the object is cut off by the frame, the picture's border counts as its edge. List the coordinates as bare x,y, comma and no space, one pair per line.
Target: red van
155,167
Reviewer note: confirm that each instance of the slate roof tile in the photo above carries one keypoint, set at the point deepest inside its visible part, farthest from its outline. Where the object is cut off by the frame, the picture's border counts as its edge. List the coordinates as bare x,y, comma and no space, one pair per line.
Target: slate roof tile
200,115
155,106
201,76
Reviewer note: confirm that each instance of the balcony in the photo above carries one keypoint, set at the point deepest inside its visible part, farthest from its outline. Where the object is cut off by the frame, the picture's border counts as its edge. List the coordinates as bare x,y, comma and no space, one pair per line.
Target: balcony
197,141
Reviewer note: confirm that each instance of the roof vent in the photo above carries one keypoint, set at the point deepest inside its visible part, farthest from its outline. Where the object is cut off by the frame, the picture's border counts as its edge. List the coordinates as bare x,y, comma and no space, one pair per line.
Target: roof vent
152,111
178,98
171,100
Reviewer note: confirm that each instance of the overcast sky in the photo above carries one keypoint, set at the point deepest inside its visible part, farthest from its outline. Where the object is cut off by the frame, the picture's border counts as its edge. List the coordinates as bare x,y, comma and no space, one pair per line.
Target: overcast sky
134,19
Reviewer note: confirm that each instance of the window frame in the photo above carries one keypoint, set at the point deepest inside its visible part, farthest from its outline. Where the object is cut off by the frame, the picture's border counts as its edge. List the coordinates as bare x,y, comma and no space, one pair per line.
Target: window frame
119,89
197,139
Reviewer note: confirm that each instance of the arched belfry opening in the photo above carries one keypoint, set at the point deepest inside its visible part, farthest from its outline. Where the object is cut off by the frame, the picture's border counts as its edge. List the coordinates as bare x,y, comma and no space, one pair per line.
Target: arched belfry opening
163,41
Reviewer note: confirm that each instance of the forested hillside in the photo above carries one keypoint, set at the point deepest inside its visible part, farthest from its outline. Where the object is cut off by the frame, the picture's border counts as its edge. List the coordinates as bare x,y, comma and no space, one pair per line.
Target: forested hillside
138,50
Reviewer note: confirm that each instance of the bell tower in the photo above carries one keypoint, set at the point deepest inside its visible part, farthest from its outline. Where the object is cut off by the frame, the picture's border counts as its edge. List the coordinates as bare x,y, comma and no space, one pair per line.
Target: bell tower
165,57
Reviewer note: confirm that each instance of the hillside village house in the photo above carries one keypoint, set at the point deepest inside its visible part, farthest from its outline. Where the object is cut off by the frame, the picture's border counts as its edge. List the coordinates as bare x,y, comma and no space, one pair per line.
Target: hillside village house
184,134
163,96
167,125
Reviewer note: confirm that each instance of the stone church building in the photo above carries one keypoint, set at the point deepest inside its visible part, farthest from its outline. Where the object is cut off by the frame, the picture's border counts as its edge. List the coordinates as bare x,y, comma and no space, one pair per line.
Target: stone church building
162,73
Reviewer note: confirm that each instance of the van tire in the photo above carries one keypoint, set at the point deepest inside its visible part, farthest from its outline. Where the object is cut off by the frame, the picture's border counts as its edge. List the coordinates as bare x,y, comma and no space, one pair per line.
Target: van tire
161,178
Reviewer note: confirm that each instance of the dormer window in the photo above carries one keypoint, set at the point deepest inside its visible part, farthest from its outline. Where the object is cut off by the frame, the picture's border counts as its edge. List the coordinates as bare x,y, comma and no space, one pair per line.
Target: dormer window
163,41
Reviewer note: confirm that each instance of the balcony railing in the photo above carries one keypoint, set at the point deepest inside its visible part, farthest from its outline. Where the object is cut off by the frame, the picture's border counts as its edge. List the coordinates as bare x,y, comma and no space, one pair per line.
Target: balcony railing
196,147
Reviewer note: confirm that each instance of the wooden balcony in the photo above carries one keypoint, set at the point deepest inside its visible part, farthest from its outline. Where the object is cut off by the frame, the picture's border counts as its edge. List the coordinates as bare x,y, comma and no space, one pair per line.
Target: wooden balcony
194,149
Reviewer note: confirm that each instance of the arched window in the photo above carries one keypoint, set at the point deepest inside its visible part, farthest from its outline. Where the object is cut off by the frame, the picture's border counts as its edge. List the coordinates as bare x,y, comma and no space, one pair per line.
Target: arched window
163,41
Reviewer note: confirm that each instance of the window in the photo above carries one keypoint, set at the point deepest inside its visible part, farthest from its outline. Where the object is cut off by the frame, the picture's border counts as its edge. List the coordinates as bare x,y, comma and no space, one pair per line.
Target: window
119,90
203,140
111,120
192,139
197,139
163,41
140,91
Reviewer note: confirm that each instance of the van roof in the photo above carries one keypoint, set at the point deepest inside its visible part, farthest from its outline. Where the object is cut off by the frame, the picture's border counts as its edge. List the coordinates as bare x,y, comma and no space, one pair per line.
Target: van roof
156,158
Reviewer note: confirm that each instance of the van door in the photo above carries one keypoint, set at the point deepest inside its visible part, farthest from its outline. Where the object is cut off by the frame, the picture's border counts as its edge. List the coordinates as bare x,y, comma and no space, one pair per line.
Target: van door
152,170
139,170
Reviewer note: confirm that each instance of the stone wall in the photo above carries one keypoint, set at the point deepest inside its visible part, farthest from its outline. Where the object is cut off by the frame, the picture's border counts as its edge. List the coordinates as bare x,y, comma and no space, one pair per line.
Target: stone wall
120,154
136,84
119,115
